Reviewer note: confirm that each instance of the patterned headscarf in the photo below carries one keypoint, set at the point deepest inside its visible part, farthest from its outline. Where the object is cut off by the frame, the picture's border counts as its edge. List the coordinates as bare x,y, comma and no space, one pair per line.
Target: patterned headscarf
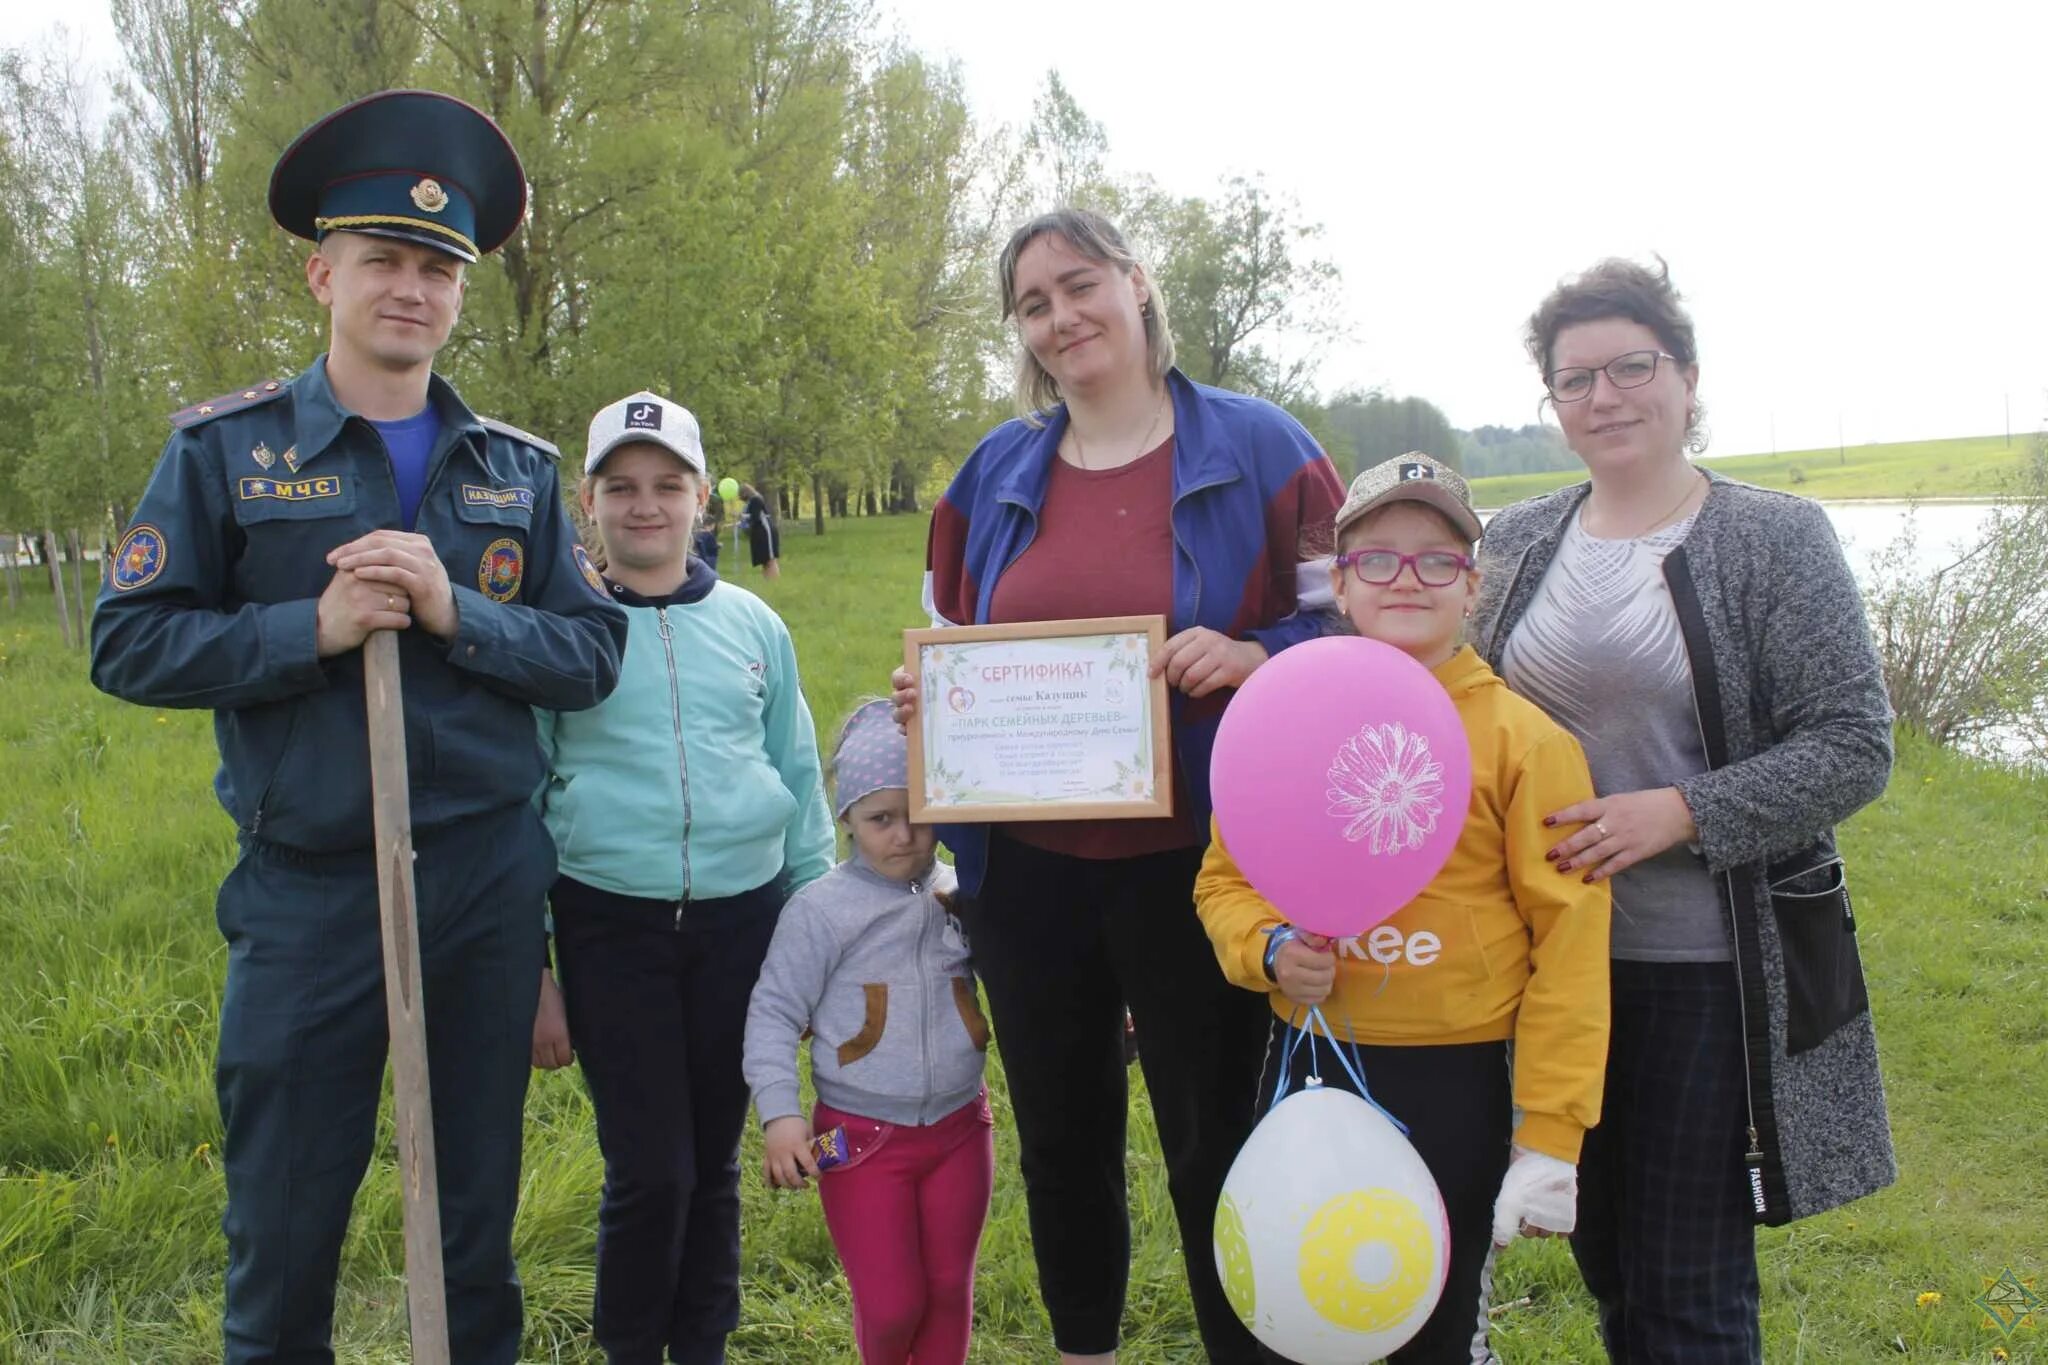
872,755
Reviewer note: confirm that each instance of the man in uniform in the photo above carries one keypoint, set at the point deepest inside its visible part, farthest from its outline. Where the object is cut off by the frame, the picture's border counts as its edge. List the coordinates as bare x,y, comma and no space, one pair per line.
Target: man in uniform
283,524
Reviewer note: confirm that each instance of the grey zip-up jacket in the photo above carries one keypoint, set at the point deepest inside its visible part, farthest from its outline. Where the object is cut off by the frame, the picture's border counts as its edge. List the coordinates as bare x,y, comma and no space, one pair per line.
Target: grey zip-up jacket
878,971
1795,721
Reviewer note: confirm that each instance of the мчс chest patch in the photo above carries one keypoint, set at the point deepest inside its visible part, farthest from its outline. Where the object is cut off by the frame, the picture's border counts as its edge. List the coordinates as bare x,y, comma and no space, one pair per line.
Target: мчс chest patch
290,490
499,572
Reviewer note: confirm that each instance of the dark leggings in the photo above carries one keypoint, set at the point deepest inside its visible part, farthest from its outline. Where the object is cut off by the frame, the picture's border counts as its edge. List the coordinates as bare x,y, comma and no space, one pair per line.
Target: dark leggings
1457,1100
1062,945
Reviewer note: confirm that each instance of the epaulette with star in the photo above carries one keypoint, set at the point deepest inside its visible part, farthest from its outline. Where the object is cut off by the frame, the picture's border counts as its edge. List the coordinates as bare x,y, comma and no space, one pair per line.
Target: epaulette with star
548,448
240,400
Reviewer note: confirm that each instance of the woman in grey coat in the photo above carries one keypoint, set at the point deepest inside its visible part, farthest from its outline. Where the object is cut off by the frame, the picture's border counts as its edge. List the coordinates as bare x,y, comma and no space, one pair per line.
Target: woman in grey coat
1706,643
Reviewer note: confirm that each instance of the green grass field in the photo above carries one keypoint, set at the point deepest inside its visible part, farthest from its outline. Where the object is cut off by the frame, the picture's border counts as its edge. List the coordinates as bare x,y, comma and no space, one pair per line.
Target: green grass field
1967,466
110,966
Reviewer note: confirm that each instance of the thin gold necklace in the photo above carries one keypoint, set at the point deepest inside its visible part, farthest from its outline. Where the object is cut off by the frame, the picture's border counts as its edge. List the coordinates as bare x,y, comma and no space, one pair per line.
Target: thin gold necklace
1690,489
1081,454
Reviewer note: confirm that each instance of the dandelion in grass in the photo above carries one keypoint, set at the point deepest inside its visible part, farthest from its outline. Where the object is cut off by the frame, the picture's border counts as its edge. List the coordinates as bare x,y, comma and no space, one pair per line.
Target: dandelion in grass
1385,784
1929,1298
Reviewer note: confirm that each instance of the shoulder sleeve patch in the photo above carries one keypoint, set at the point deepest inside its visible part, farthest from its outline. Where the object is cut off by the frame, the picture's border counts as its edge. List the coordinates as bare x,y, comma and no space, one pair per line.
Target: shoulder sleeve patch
525,437
239,400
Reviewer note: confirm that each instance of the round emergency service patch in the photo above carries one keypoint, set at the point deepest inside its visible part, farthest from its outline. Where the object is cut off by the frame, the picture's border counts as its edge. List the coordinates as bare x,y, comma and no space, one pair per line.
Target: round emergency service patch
590,573
139,558
503,565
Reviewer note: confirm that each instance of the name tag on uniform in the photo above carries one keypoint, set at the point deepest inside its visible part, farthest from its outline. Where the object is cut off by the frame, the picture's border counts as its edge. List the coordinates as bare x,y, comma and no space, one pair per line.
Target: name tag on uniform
292,490
477,496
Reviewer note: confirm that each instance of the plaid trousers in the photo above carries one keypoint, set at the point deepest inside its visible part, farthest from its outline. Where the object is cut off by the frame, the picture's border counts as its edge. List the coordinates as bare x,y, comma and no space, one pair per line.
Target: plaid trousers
1665,1237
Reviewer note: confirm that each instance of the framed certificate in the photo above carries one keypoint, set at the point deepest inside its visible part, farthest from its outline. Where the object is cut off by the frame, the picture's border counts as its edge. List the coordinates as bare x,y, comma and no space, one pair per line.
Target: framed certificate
1042,720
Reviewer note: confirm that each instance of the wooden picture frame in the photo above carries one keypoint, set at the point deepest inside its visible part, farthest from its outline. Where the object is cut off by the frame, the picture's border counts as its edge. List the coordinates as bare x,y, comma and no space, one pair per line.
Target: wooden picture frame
1071,707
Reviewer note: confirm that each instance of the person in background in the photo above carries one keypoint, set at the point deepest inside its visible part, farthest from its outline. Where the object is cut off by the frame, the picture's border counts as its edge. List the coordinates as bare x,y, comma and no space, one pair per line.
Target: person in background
704,543
283,525
764,541
1705,642
1480,1007
1123,489
870,963
685,811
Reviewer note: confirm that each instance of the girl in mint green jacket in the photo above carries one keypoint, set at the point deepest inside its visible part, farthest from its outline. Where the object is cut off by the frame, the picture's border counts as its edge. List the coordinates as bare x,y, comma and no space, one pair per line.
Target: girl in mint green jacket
685,811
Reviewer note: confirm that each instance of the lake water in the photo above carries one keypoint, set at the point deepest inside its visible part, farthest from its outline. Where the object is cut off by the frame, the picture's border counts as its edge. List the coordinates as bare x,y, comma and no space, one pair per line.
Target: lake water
1866,528
1942,529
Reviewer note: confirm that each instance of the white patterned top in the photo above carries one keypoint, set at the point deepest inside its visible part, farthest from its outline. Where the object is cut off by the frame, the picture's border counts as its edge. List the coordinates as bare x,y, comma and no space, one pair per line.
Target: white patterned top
1600,650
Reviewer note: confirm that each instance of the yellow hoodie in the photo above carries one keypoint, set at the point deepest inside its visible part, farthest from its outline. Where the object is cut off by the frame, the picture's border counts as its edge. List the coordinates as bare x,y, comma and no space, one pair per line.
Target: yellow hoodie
1499,945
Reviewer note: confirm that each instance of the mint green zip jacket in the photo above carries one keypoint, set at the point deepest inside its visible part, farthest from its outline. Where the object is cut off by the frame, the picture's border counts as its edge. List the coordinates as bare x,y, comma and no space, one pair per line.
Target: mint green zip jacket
698,777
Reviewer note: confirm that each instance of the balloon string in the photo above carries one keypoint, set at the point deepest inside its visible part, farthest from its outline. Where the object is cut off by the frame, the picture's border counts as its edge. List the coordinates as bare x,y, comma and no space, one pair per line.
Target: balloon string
1354,1065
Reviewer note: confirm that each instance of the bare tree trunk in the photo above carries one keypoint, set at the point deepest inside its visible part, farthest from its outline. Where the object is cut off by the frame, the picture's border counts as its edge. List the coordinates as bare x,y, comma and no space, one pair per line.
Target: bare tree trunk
78,582
56,566
817,502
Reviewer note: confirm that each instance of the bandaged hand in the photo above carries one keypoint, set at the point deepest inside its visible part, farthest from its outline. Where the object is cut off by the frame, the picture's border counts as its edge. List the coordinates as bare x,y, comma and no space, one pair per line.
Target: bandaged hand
1539,1198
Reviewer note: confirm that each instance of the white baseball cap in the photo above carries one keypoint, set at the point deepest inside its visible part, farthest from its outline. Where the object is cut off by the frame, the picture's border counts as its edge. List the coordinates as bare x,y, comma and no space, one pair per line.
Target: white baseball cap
646,417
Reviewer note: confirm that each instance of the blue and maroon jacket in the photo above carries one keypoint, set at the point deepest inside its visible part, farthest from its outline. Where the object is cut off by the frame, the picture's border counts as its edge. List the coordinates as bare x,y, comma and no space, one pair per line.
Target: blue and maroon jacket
1252,496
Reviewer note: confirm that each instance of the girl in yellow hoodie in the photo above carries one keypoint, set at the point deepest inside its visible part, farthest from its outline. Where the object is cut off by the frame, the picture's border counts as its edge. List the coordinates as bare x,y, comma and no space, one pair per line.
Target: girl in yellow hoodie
1479,1009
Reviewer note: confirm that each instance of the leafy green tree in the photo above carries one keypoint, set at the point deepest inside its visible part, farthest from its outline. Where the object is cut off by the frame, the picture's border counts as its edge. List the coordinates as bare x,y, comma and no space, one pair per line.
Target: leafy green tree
1240,274
1369,428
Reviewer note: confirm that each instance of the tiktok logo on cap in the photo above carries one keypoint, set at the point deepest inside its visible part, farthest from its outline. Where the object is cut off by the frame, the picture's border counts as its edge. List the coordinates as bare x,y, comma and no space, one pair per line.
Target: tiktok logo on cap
646,416
1416,471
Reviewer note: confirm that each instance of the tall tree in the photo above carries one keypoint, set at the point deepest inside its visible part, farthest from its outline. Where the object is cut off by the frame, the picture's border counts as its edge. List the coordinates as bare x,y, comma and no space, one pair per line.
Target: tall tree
1068,148
1239,276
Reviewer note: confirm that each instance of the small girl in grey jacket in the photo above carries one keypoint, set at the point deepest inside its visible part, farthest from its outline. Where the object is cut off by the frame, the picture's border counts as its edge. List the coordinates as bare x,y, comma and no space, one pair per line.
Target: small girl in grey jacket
870,960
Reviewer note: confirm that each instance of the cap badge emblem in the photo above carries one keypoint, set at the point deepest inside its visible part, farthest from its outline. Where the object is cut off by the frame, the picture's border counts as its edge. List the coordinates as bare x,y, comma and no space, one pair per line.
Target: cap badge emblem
429,197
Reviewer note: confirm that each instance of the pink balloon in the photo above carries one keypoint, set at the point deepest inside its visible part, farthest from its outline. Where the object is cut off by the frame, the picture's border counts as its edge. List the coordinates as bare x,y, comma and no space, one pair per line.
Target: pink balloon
1341,778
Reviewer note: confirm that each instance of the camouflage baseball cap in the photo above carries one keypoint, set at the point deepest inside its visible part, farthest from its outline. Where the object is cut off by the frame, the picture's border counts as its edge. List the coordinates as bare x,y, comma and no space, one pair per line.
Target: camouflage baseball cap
1413,477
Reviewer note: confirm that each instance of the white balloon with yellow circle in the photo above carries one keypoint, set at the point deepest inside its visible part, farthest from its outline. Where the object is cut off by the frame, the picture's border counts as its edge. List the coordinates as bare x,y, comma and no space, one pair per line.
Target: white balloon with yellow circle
1331,1238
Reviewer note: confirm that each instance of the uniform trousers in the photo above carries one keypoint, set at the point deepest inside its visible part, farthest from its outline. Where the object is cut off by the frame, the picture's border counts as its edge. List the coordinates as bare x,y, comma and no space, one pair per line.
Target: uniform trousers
301,1072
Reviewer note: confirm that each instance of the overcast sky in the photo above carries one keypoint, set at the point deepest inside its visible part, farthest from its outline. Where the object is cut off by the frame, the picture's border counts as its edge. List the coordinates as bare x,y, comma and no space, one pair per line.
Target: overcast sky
1853,197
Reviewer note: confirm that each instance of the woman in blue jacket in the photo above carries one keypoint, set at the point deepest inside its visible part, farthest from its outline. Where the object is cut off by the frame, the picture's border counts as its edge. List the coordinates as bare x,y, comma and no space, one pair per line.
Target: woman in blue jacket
685,812
1123,489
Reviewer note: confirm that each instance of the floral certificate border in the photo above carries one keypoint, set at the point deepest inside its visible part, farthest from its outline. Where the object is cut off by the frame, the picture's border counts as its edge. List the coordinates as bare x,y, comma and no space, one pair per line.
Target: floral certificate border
1066,724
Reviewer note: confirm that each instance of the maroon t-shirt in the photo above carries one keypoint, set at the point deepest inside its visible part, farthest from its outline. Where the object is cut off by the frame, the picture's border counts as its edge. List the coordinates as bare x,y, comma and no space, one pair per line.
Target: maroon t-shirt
1104,548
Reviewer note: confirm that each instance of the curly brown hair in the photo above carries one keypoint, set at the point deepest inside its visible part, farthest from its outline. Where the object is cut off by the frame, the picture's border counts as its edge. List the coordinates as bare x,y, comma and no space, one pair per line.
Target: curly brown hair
1621,288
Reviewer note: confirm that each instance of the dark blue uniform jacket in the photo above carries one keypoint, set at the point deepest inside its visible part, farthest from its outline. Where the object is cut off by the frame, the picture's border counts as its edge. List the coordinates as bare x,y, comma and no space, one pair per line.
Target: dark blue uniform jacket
210,602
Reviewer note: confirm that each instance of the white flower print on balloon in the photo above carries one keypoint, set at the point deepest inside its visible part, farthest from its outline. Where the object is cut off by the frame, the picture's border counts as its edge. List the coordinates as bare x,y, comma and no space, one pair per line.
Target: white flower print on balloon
1384,782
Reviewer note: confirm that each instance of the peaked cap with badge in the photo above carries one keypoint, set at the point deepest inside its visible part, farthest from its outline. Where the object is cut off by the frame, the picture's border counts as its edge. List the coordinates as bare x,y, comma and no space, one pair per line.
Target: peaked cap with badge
411,164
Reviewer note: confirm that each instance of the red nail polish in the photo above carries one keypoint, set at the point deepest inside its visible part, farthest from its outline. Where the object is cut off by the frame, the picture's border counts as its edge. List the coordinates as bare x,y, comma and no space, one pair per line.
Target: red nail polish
1588,879
1549,820
1551,856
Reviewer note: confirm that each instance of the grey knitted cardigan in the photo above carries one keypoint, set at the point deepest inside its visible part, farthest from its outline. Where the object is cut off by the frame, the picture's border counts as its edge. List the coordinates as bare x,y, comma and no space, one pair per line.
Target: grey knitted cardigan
1774,625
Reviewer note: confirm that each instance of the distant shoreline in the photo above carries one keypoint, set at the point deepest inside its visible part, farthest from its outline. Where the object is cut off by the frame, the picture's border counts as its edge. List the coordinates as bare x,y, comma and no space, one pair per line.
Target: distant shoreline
1956,469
